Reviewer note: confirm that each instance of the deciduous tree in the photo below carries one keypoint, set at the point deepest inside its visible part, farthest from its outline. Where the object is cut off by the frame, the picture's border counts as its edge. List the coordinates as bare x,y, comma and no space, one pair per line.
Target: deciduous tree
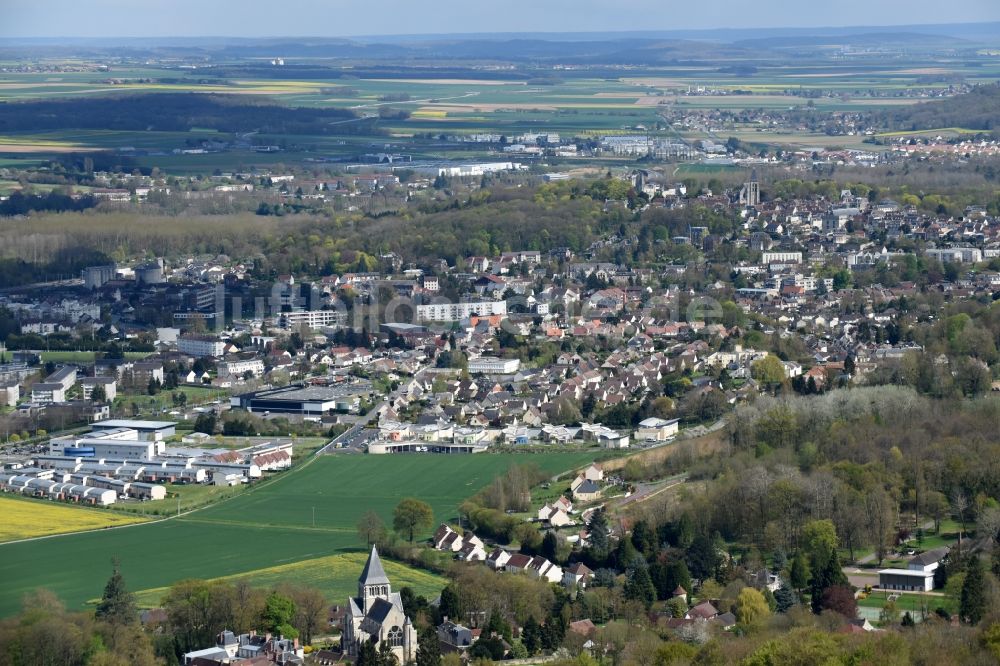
412,515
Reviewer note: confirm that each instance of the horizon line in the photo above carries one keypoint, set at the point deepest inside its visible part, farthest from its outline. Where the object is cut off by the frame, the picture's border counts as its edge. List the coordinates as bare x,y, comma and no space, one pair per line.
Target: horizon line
727,28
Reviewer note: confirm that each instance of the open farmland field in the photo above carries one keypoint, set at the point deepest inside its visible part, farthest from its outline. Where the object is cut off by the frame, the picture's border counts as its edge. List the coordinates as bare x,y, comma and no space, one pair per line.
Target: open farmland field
267,527
25,519
336,576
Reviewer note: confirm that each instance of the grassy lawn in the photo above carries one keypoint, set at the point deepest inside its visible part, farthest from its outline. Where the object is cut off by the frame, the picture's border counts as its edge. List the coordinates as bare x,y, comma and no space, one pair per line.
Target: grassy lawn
915,603
947,536
307,513
336,576
196,395
190,495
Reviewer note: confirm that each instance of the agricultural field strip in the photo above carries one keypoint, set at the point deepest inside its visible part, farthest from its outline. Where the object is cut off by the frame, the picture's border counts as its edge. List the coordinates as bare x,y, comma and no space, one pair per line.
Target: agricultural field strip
334,575
30,519
253,530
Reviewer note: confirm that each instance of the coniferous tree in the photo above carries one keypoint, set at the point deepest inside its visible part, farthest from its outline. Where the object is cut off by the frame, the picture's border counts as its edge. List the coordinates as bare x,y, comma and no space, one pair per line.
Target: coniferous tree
599,535
799,572
367,654
550,545
825,577
972,606
531,635
638,584
784,599
449,604
428,648
386,657
117,605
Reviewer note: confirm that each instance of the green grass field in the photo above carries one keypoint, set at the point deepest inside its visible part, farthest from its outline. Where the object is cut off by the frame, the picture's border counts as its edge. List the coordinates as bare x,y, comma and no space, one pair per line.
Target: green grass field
336,576
915,603
270,526
196,395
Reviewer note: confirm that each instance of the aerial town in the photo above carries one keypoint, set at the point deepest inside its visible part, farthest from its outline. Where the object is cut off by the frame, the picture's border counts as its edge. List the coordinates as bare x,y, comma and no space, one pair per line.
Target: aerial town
593,348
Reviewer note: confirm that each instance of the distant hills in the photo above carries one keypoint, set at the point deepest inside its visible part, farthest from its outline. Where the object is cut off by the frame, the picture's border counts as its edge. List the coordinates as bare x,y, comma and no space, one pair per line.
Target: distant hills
975,110
637,47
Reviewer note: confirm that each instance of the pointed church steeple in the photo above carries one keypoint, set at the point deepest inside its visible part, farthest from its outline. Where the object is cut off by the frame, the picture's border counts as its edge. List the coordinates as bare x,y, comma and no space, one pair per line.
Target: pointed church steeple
373,583
373,573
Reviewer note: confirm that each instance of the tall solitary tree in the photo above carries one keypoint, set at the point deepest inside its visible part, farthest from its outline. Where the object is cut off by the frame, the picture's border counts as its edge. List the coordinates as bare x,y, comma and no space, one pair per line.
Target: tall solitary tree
972,606
751,607
412,515
371,528
117,605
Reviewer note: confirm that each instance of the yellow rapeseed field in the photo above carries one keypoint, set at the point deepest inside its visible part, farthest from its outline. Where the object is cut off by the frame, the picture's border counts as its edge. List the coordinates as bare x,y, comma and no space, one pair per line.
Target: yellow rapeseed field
21,519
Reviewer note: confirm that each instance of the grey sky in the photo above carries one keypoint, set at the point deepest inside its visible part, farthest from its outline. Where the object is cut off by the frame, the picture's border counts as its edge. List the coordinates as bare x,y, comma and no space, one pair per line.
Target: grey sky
331,18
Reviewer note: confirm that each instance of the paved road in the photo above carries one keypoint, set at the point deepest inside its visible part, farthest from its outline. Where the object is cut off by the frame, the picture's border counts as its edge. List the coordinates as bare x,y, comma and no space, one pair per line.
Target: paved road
645,491
354,439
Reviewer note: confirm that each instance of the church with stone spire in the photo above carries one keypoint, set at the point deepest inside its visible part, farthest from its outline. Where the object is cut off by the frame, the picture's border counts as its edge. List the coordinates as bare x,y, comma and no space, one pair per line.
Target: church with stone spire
377,612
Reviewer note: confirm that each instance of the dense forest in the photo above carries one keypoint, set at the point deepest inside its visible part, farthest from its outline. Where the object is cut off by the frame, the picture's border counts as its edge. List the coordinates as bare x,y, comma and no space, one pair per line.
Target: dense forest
175,112
22,204
485,224
978,109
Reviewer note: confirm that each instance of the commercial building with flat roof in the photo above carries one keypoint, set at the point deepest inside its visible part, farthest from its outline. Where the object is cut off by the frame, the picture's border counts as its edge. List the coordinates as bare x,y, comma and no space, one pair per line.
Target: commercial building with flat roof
491,365
147,430
305,400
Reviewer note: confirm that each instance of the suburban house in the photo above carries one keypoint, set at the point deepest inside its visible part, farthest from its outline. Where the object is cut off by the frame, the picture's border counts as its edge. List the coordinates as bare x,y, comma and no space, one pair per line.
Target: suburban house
555,515
454,637
588,491
230,648
577,575
703,611
497,560
541,568
517,563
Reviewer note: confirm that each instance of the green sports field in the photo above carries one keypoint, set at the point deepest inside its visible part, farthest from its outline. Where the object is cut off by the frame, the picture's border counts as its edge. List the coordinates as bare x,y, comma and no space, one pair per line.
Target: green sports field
267,527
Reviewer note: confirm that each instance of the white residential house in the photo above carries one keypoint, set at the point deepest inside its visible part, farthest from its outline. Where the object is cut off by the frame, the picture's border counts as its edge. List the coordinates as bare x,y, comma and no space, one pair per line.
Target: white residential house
472,551
560,518
497,560
554,515
577,575
542,569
